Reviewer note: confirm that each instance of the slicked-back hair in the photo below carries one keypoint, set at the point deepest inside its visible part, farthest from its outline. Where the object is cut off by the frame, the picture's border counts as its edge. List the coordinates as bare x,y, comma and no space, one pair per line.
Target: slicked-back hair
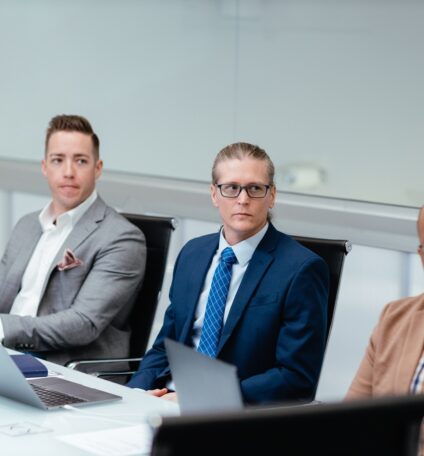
242,150
66,122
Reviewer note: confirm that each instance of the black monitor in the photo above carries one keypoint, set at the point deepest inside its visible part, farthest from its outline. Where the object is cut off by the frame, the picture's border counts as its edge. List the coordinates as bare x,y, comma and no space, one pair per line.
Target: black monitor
384,426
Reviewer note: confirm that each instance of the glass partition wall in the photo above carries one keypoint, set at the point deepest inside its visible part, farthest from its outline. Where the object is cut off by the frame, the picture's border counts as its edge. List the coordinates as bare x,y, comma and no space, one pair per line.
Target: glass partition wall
332,89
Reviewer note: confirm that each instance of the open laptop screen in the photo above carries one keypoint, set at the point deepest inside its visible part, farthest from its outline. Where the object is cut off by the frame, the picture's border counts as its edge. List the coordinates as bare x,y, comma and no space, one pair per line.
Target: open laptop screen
203,384
46,392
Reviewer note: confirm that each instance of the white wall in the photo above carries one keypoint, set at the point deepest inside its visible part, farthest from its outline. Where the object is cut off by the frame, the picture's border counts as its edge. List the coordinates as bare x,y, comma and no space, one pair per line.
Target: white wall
334,85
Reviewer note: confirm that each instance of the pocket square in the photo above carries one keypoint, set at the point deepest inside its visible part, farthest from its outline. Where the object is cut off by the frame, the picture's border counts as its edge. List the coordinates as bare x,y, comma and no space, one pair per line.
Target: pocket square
69,261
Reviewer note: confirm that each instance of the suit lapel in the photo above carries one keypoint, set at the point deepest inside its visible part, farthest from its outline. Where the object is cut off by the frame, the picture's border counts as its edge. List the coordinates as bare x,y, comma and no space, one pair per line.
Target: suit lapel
258,265
411,352
27,247
84,227
197,276
16,272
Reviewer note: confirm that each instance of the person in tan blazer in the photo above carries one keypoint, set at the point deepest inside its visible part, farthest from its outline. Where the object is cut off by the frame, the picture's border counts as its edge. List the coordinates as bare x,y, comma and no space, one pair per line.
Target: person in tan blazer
394,354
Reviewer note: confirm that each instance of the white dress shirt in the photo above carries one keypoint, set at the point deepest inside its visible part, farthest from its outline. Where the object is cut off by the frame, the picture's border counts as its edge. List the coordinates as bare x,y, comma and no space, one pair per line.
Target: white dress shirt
418,378
54,234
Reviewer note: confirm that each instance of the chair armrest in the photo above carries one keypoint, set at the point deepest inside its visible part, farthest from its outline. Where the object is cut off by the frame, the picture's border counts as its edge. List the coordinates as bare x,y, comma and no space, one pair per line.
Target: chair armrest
75,364
78,364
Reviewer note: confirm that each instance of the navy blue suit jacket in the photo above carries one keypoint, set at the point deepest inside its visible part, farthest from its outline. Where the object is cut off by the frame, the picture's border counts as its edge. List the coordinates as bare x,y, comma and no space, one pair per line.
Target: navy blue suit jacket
275,330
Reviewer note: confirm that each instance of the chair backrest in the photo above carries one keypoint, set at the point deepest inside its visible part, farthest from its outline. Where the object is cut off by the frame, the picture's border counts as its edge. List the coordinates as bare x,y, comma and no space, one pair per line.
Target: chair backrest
157,231
333,253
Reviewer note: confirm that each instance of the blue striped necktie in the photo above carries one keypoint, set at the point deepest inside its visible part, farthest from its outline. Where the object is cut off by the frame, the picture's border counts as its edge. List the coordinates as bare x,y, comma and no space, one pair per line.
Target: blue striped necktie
214,315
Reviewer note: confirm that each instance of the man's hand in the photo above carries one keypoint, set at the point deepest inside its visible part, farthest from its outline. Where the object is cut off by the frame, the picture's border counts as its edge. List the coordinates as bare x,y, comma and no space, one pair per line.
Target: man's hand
159,392
164,394
170,397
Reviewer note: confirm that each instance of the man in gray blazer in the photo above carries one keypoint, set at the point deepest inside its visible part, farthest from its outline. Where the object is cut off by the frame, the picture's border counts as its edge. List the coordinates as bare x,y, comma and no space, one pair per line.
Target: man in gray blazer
70,273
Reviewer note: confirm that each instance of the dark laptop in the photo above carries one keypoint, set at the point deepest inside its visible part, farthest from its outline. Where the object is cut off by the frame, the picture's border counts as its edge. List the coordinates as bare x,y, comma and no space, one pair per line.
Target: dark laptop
385,426
47,392
202,384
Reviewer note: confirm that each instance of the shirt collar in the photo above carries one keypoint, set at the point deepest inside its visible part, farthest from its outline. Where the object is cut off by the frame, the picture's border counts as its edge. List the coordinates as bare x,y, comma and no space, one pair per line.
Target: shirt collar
243,250
72,216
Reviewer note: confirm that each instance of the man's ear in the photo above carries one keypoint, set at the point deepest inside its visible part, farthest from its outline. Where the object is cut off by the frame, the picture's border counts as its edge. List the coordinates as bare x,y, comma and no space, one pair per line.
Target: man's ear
43,167
214,197
272,192
99,168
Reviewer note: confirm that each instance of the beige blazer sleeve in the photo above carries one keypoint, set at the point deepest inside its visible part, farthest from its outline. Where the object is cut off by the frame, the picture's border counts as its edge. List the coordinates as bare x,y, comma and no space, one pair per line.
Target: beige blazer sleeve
393,352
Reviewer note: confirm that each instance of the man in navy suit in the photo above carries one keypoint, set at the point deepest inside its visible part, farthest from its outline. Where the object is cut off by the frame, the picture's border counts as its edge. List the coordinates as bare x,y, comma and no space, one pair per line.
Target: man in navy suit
274,322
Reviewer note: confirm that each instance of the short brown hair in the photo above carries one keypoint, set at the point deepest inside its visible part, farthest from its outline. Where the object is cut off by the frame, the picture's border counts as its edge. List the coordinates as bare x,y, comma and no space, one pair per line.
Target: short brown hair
65,122
242,150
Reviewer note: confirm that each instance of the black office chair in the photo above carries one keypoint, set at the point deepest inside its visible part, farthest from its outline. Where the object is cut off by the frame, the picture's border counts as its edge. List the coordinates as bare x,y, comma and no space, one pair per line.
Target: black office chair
333,252
157,231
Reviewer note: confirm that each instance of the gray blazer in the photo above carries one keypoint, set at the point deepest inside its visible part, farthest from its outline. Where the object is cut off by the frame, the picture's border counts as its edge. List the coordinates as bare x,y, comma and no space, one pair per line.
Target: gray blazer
83,310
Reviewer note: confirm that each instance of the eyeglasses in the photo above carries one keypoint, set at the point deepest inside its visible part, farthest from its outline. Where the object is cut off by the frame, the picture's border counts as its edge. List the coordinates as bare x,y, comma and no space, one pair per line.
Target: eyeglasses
421,249
234,190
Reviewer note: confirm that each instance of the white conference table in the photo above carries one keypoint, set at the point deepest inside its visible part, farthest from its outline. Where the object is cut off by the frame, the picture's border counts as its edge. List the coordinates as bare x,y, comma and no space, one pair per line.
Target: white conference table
136,407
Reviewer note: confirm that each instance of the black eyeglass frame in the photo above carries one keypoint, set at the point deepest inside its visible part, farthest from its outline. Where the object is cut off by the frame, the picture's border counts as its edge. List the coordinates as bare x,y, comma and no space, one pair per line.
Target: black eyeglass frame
246,188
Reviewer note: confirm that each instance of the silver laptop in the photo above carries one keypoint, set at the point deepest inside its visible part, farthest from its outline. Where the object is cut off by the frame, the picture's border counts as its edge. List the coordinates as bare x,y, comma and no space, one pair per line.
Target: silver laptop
202,384
46,392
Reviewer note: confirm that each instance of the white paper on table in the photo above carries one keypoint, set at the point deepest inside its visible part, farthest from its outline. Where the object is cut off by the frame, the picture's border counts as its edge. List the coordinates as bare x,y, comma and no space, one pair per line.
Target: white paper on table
121,441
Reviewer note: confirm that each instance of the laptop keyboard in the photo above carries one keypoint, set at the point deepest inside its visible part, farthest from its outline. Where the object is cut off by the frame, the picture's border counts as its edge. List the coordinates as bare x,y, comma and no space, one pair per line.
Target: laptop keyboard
55,398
